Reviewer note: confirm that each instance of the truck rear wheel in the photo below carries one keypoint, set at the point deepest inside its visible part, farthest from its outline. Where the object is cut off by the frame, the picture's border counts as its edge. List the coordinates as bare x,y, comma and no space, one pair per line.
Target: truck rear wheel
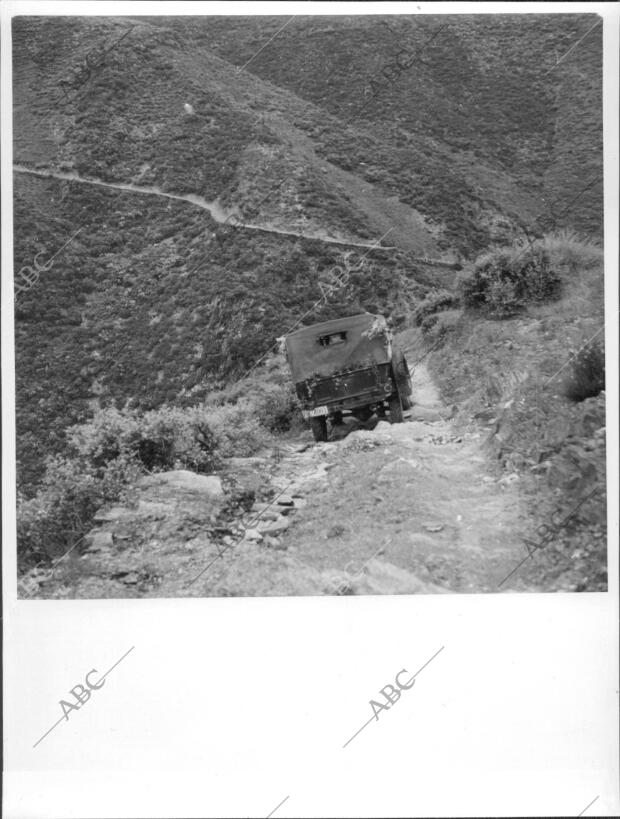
319,428
396,409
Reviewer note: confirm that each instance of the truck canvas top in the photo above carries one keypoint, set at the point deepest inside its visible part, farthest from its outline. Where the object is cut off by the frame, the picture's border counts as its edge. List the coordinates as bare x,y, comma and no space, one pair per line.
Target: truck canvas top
336,345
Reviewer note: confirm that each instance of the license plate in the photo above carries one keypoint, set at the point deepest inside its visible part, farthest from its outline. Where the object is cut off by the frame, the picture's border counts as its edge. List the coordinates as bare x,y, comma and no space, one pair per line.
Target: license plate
313,413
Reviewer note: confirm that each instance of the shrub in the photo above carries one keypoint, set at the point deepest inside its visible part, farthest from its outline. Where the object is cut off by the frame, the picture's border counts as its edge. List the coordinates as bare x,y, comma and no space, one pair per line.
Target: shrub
429,322
442,324
268,394
109,434
570,248
278,408
112,450
502,299
434,302
586,377
236,429
506,279
164,438
59,514
540,282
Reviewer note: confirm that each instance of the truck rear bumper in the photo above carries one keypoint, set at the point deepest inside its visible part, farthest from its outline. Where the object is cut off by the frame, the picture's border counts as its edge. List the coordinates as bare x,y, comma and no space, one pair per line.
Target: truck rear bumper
351,403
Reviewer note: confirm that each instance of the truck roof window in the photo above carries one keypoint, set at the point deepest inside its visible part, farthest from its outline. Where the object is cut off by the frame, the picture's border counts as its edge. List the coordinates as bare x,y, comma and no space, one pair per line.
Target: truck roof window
332,338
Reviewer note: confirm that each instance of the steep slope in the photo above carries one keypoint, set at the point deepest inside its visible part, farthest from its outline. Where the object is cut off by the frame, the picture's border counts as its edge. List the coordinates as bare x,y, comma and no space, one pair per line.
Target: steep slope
127,123
244,143
520,91
153,301
574,178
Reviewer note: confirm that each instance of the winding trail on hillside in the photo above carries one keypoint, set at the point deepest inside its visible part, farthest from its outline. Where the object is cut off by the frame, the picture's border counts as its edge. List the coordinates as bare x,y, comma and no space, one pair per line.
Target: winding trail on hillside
216,211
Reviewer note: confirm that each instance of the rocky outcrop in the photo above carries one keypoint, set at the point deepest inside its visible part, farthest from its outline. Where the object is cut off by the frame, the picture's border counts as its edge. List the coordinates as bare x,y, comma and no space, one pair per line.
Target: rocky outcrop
184,481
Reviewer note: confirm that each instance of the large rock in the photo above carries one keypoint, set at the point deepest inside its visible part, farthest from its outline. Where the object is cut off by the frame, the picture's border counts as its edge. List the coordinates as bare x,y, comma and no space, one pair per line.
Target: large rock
96,540
152,509
361,440
310,481
287,510
253,461
273,527
185,481
380,577
420,413
265,512
382,427
113,514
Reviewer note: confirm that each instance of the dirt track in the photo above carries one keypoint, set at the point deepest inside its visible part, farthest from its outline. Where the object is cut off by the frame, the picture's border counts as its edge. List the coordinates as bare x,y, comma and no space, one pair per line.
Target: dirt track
217,212
399,509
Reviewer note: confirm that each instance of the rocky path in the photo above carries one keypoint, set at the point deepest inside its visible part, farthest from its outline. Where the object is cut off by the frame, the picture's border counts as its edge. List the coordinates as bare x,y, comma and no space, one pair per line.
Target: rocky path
398,509
403,509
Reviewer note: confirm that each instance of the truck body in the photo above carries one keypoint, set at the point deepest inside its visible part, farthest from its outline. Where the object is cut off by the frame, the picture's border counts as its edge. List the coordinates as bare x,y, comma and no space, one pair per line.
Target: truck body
347,365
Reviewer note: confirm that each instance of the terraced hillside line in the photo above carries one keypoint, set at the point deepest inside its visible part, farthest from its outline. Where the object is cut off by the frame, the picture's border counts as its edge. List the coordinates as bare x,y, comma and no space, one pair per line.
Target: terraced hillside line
216,211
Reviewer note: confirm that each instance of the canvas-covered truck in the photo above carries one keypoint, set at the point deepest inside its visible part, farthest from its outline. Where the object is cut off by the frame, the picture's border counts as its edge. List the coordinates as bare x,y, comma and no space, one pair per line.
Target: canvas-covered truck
347,366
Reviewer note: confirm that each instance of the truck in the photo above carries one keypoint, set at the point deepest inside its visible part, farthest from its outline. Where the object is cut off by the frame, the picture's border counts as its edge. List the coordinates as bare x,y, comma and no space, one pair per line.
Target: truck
348,366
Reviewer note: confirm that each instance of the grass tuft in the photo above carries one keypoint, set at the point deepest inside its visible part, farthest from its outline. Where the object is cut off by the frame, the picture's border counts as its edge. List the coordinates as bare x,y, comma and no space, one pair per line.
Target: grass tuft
586,377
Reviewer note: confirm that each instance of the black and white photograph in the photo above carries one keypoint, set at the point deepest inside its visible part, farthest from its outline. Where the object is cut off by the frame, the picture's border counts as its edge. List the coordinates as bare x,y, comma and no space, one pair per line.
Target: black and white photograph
309,305
309,409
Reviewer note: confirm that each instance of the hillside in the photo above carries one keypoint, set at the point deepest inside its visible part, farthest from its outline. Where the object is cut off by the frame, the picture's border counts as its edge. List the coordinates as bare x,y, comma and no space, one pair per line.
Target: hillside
216,173
482,90
118,317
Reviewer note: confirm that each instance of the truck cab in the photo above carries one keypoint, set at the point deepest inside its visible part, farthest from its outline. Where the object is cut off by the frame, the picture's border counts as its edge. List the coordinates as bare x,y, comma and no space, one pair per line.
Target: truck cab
347,366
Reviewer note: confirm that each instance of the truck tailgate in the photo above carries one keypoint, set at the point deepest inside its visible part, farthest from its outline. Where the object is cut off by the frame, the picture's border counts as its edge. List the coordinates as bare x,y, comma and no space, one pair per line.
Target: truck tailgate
348,385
